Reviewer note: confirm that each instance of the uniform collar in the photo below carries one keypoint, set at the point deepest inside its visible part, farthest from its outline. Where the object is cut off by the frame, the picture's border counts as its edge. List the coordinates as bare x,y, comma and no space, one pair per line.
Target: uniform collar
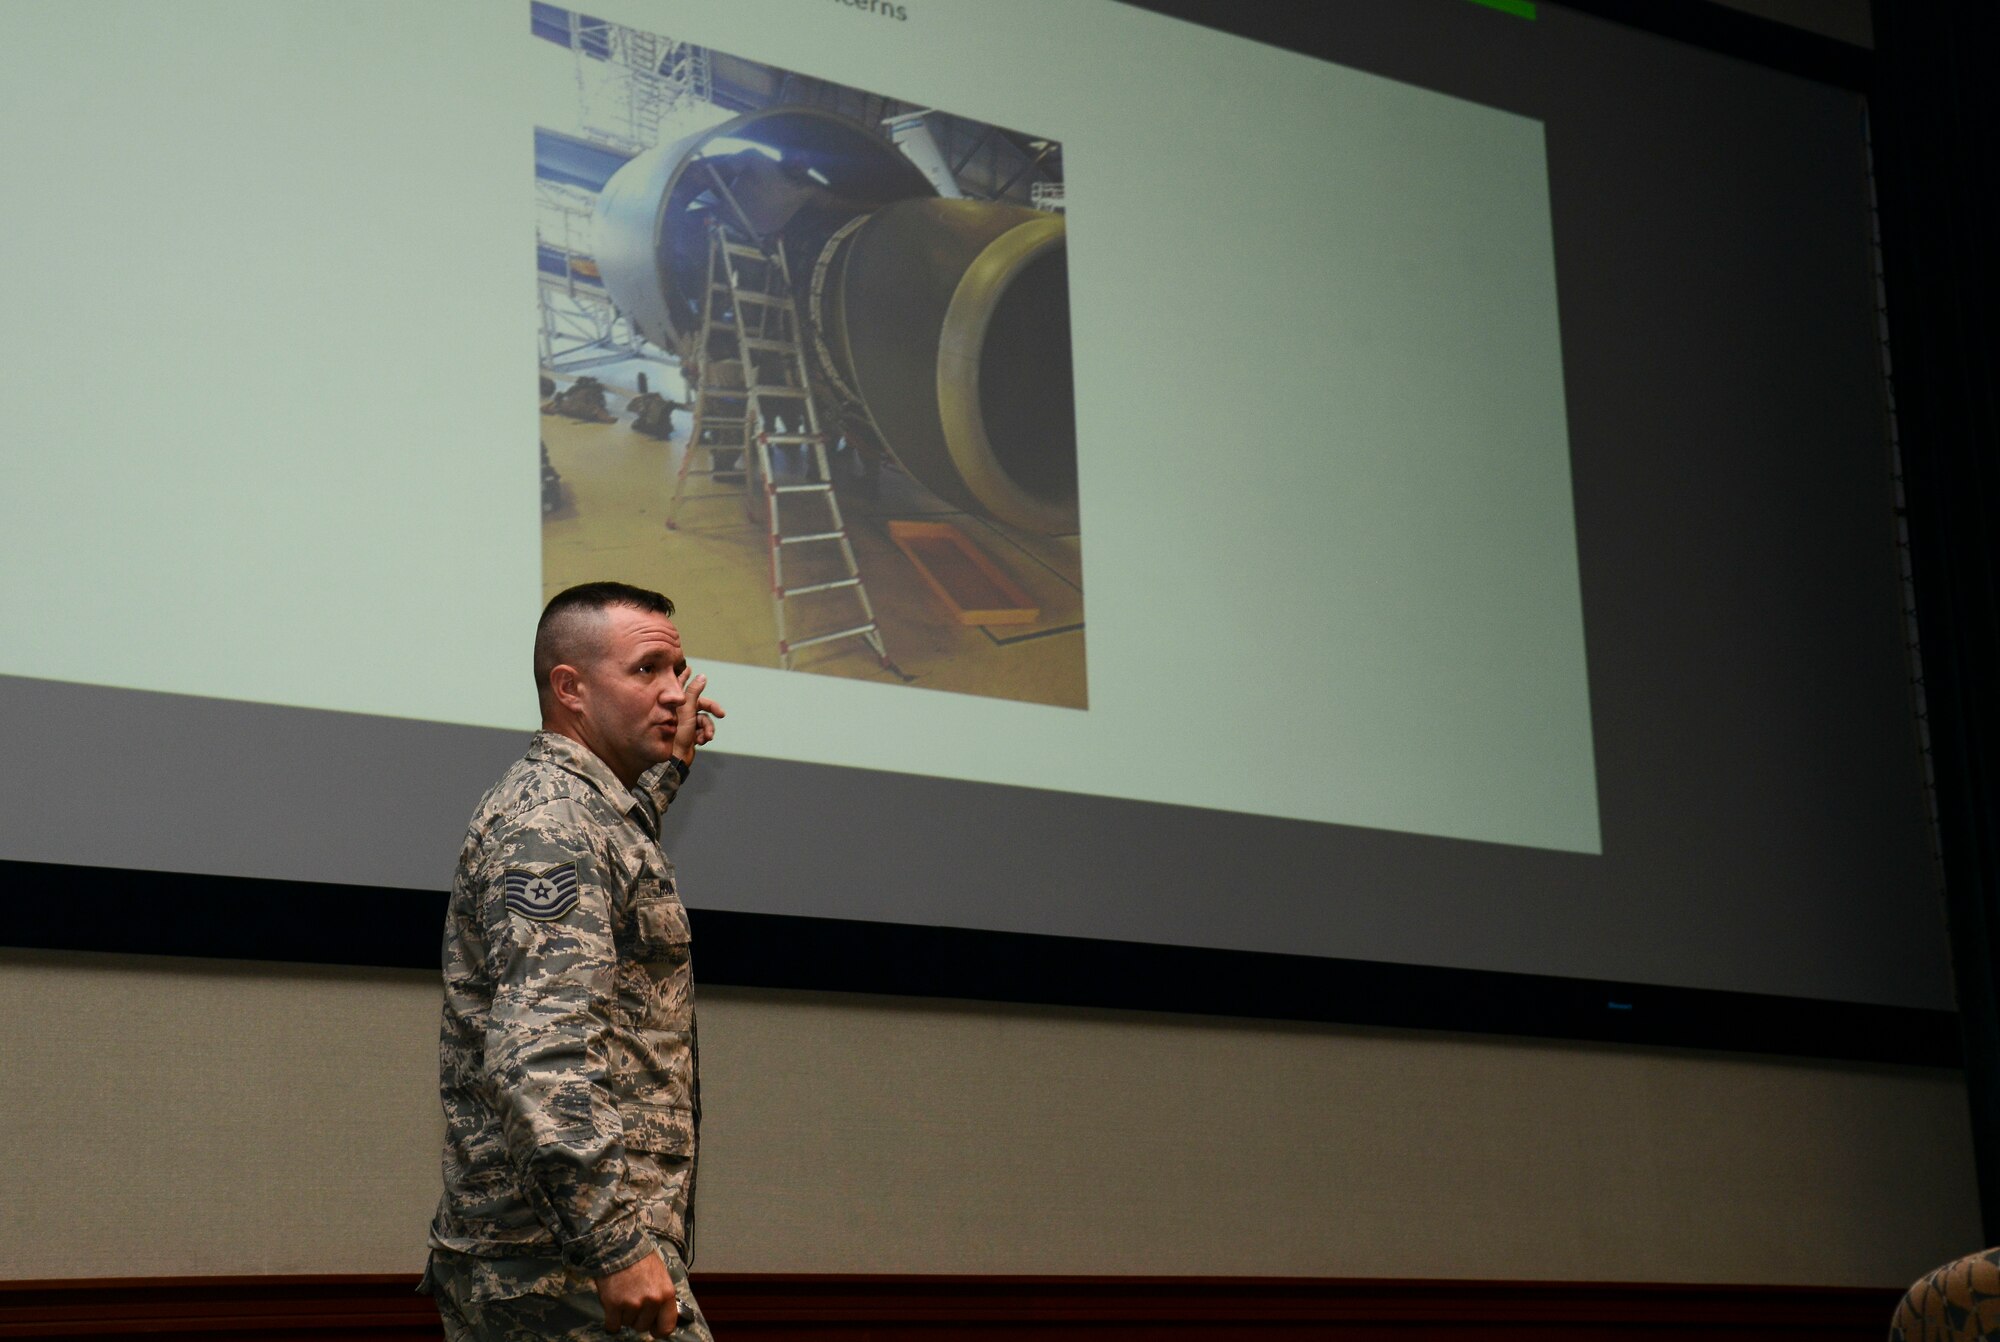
579,759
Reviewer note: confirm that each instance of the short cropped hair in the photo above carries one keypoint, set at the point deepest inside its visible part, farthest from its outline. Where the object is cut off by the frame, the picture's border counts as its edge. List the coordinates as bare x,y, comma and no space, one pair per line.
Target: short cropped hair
571,630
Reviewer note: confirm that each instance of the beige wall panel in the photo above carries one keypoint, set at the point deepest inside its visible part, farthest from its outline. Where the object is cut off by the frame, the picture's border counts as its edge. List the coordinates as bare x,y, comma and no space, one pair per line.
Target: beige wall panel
169,1118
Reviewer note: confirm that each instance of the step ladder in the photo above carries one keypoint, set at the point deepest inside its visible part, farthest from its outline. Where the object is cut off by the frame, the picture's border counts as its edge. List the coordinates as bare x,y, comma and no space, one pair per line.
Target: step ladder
750,310
719,426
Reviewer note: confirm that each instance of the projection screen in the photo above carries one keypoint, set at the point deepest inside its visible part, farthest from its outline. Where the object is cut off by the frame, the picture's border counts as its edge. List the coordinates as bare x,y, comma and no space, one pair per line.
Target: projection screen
1425,507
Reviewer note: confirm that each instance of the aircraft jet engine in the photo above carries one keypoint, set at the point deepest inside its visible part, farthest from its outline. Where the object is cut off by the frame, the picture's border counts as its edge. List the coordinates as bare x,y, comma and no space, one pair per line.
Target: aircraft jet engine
937,328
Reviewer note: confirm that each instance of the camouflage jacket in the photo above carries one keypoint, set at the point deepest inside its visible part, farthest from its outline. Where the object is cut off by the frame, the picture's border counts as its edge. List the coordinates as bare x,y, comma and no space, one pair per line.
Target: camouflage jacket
567,1055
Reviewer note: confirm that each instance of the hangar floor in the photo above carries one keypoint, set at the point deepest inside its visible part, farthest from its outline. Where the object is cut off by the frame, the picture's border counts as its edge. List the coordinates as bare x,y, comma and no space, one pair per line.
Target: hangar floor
618,486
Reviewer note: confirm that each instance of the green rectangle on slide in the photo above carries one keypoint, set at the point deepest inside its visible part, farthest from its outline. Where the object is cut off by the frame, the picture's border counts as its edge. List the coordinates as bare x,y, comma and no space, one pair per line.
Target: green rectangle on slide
1323,458
1520,9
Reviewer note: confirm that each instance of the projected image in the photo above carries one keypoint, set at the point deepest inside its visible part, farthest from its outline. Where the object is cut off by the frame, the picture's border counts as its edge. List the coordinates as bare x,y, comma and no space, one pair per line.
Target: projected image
805,367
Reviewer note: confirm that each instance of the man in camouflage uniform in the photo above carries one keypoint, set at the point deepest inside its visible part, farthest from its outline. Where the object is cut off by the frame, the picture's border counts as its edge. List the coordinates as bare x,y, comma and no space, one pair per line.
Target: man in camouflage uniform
567,1053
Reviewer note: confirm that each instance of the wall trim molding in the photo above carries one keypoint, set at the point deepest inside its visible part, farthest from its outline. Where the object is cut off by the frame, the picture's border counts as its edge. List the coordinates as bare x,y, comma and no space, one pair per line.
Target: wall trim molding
154,913
780,1307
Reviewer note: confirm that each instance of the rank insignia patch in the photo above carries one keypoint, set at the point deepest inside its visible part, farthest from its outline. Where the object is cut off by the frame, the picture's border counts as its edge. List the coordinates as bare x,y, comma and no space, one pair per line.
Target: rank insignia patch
542,896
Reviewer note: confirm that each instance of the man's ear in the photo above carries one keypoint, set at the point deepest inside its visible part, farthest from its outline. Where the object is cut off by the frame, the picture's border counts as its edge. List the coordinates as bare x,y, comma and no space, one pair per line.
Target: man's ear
567,686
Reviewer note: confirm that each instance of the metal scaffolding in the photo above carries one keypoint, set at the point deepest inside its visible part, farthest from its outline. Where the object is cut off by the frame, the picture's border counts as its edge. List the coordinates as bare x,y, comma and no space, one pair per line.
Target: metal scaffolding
627,81
580,326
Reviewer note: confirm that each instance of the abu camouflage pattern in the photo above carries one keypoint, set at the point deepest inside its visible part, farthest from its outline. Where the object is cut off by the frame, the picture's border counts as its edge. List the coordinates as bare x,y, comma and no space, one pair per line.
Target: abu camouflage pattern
567,1053
483,1300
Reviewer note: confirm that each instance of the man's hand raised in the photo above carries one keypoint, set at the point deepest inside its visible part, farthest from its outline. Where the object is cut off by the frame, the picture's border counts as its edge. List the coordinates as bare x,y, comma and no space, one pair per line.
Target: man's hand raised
640,1296
695,723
